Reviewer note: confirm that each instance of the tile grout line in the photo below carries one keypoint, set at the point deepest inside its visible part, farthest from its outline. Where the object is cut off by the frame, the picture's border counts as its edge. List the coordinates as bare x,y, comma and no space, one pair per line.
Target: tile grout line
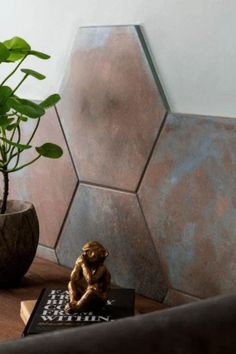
66,141
151,152
65,218
75,189
150,61
115,189
185,293
165,280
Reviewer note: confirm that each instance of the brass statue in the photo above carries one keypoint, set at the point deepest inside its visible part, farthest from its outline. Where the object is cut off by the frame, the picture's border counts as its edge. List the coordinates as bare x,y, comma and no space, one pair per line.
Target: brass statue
90,280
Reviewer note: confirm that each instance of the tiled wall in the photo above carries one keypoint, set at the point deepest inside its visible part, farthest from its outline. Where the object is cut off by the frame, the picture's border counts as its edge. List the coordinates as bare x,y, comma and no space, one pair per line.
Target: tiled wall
156,188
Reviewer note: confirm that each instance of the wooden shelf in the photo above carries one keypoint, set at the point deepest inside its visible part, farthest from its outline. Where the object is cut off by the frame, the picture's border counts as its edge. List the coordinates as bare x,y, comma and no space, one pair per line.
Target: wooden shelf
43,274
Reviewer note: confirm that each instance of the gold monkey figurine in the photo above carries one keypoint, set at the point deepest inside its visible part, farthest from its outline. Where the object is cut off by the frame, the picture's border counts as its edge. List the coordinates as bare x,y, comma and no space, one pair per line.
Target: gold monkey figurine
90,280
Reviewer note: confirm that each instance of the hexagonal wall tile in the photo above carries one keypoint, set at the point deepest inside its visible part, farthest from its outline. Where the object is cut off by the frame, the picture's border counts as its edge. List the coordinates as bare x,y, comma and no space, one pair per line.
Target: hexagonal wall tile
48,183
114,219
111,107
188,198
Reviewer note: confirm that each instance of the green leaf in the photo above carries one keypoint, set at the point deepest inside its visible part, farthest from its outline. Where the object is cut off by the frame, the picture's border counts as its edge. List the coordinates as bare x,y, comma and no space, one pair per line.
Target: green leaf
4,109
19,146
16,55
49,150
12,126
4,52
5,121
26,107
23,118
39,54
18,48
5,92
50,101
33,73
16,43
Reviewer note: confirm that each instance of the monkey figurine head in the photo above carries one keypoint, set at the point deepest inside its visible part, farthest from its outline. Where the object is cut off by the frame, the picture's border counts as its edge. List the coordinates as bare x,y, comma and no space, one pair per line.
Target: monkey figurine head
94,252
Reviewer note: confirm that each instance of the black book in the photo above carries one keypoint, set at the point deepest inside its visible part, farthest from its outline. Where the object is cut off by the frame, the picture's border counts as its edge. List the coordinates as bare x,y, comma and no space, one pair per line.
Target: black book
49,313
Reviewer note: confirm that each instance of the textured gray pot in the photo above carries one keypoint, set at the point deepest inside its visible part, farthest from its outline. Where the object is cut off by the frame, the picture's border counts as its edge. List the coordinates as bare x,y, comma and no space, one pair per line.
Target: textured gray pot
19,235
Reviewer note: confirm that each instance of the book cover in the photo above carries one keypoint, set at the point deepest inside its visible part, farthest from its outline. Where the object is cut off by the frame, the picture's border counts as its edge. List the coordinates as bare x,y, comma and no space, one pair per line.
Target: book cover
49,314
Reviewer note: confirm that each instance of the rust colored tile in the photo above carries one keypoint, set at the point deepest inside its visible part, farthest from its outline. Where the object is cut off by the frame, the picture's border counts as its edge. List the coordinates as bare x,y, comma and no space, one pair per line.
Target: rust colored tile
111,108
114,219
48,183
188,198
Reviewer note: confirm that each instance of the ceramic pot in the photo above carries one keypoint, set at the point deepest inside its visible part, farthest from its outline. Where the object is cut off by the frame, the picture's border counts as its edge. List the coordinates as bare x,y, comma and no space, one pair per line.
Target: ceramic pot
19,235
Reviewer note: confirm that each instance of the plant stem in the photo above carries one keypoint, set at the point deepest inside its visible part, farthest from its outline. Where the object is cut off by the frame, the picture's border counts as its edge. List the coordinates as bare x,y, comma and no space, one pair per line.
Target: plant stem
3,82
2,152
18,150
13,133
13,148
22,166
28,142
5,192
34,131
26,75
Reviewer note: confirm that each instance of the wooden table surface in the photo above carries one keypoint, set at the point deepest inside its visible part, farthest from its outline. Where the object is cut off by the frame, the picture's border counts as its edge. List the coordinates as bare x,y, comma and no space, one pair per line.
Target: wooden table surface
44,274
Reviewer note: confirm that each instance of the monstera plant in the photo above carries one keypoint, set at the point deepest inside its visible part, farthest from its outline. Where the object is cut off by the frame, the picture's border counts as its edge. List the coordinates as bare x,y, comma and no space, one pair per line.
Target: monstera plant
19,229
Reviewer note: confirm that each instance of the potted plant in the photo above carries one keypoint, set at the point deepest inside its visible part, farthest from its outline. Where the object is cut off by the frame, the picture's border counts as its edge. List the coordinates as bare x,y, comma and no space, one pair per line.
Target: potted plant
19,229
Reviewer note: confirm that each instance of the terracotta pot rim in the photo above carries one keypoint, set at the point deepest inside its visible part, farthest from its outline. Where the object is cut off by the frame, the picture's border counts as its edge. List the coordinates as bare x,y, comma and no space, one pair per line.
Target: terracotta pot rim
15,206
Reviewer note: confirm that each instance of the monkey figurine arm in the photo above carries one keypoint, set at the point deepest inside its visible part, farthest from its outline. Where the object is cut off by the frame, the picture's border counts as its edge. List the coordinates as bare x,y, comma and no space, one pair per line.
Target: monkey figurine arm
86,271
98,274
74,278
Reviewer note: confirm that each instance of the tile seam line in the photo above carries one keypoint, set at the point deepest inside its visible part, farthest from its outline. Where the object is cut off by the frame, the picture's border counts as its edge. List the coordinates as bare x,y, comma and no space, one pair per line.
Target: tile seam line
66,141
166,280
102,186
151,152
186,293
152,66
65,219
